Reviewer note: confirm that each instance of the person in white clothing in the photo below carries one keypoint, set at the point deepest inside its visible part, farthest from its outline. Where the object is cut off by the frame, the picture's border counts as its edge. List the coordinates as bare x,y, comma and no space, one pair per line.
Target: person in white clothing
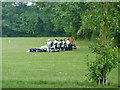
69,45
67,42
61,45
55,43
47,46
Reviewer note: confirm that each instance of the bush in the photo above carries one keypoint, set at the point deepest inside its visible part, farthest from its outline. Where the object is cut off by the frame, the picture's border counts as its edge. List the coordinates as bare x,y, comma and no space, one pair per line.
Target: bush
106,59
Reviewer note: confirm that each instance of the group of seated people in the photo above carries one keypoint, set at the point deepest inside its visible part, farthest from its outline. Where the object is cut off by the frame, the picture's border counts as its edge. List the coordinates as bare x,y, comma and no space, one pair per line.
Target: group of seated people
55,46
61,45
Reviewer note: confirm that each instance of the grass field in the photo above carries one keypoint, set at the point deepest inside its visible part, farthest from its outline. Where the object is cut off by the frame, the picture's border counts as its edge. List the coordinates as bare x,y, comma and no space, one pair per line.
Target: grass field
65,69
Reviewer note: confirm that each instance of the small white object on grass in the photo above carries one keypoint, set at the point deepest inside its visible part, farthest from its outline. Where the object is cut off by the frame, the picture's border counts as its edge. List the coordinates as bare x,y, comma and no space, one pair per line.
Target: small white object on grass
28,51
60,72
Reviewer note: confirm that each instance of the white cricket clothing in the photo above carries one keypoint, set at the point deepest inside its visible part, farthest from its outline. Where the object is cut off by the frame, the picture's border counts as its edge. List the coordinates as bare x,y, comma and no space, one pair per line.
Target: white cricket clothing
47,46
58,45
49,43
55,42
67,42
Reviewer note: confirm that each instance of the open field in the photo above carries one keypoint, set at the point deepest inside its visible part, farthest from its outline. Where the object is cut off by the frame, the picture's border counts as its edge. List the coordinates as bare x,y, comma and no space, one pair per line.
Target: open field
65,69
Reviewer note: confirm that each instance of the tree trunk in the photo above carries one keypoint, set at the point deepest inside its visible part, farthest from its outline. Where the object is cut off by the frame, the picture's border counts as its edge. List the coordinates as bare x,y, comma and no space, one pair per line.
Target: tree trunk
103,37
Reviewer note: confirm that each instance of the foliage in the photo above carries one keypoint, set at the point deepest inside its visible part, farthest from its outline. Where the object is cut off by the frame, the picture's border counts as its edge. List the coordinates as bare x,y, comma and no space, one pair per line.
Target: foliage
11,18
68,16
102,15
26,20
47,14
104,63
99,17
78,19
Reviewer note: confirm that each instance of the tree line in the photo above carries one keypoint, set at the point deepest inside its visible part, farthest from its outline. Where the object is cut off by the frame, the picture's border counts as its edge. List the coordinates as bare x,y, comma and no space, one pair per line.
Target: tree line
21,20
43,19
78,19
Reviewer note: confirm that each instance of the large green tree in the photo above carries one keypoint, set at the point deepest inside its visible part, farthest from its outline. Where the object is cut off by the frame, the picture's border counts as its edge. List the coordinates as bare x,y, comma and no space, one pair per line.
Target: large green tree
47,14
102,17
11,18
33,20
68,16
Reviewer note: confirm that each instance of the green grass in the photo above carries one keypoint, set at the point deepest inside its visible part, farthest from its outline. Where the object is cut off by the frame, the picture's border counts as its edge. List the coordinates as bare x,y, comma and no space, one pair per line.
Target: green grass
65,69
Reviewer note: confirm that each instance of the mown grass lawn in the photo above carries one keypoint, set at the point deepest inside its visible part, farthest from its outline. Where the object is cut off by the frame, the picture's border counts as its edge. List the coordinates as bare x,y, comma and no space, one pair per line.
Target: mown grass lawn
65,69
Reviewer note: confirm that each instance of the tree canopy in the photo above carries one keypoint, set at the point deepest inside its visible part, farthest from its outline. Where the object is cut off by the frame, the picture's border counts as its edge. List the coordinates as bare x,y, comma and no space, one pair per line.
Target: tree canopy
22,20
78,19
